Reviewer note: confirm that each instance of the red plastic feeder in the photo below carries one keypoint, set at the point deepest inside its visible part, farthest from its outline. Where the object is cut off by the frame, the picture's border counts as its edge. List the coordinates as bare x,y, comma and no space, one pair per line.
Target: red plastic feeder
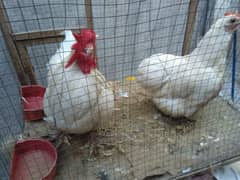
32,100
33,159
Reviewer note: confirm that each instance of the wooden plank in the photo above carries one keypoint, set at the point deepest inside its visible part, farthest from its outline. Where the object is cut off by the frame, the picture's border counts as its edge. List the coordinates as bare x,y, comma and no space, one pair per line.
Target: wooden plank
33,35
34,42
7,32
36,35
26,62
192,11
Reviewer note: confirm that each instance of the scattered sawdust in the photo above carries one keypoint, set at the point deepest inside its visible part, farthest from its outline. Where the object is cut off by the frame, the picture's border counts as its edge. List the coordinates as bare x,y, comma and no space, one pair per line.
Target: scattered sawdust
139,141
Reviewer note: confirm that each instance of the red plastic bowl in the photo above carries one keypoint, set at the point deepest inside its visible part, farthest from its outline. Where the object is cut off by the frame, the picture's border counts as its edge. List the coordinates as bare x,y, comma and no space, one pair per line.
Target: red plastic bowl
33,159
32,100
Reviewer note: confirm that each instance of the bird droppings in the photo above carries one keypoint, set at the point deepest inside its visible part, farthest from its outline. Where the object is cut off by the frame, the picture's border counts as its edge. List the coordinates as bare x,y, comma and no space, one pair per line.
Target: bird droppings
203,144
107,153
210,137
187,170
216,140
122,170
123,94
156,116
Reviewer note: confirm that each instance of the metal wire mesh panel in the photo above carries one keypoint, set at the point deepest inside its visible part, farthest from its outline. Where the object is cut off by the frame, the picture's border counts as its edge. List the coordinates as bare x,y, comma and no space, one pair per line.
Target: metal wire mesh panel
146,92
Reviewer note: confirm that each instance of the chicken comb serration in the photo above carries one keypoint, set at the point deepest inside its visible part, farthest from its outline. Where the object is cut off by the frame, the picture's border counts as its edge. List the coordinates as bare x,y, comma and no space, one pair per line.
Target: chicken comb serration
85,36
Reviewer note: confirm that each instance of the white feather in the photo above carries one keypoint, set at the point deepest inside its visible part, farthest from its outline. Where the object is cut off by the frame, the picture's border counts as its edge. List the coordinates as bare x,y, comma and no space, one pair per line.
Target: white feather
181,84
63,52
73,101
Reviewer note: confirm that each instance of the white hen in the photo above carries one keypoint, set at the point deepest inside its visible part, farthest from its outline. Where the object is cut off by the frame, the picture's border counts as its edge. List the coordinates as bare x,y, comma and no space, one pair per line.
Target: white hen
181,84
75,101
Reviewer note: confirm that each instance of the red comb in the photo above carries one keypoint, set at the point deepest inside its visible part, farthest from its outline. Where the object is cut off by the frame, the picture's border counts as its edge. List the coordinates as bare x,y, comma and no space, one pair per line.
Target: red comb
83,38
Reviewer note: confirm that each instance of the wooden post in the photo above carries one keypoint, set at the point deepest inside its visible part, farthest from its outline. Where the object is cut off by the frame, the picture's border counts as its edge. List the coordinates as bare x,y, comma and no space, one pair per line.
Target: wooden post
27,64
88,10
25,39
7,32
192,11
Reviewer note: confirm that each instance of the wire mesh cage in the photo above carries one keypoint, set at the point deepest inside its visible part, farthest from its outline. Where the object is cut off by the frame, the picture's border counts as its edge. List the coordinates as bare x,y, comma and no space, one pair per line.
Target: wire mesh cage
122,89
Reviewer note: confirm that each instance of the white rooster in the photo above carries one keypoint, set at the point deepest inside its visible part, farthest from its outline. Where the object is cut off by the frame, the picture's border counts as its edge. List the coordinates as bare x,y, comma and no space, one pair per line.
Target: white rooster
77,97
179,85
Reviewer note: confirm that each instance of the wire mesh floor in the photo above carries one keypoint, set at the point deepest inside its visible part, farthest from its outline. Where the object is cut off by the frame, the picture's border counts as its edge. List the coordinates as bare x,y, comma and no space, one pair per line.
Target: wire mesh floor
140,142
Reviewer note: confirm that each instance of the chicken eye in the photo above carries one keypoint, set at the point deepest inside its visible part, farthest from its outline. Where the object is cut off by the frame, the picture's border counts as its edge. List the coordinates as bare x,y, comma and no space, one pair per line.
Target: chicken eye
88,50
233,20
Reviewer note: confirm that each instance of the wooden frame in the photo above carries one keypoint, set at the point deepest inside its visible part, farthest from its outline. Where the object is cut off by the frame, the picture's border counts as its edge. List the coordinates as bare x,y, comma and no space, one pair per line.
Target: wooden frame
10,44
40,37
88,11
17,43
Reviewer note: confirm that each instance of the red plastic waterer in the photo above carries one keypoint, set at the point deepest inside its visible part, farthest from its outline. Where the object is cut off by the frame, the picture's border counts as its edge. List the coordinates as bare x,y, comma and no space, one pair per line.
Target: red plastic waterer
33,159
32,100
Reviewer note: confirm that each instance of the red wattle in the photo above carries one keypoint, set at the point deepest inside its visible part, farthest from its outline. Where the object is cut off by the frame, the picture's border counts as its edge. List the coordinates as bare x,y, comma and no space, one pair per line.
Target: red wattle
87,64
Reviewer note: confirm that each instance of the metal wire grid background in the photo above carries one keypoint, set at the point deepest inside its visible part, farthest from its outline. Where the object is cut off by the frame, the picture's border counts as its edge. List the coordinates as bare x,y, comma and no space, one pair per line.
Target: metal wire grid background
129,32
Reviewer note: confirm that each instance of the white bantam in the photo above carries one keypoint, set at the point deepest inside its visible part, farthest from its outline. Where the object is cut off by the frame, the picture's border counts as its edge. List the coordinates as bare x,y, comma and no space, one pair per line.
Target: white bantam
180,85
78,96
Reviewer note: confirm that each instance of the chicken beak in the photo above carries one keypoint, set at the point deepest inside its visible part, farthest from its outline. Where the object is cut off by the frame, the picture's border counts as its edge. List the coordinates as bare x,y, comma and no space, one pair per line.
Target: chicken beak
235,26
